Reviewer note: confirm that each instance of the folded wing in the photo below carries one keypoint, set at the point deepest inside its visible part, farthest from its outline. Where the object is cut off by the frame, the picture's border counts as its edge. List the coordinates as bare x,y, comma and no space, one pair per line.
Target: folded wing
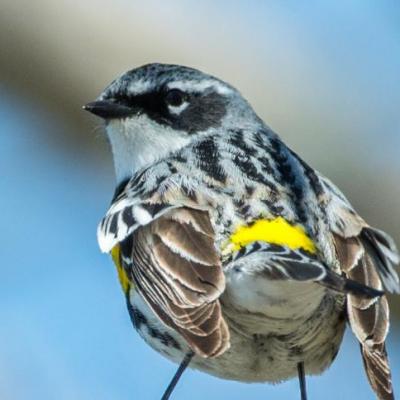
277,262
177,270
368,256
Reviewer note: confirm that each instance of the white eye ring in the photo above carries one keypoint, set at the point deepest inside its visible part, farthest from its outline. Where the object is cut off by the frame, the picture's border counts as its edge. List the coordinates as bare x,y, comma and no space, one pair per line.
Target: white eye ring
176,110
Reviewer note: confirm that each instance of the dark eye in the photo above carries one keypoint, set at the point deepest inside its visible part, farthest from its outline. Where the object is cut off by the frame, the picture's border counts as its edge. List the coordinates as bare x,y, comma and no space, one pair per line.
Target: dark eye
175,97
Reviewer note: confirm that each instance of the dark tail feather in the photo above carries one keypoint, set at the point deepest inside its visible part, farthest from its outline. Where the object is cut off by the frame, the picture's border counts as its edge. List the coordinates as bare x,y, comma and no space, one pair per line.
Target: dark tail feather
345,285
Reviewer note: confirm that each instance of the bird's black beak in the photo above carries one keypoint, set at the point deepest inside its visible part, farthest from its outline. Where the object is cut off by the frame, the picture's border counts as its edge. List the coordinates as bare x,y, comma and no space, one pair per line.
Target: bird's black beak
108,109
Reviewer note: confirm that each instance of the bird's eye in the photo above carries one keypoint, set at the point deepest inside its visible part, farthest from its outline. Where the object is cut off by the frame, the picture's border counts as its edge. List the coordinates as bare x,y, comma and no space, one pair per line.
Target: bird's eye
175,97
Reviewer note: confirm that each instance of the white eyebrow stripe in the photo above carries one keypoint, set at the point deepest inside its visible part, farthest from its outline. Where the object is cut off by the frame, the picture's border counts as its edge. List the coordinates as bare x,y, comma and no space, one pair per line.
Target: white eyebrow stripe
138,87
190,86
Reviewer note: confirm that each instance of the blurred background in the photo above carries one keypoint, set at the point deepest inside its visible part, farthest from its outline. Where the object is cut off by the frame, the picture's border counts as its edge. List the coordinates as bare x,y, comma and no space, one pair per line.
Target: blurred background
325,75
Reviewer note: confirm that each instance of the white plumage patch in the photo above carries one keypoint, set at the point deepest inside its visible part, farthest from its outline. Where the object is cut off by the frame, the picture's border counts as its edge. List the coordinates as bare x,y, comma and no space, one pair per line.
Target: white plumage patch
142,216
176,110
201,86
140,141
139,86
277,299
106,242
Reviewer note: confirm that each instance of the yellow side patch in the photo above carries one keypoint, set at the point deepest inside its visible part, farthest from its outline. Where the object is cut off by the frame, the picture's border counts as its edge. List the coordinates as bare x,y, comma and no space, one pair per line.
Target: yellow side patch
122,276
276,231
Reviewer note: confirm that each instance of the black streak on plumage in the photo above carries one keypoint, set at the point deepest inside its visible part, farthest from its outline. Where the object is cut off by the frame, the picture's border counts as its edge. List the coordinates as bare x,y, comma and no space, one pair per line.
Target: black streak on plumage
208,159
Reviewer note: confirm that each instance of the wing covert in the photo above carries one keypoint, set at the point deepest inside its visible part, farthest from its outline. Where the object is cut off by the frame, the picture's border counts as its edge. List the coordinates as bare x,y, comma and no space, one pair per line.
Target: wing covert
177,270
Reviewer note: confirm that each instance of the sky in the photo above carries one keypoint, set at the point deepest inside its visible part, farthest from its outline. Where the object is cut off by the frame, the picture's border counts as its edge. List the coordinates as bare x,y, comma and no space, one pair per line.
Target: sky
65,332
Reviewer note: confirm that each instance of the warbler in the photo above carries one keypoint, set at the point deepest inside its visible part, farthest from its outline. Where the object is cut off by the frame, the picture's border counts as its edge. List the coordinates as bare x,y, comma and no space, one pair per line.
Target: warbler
235,256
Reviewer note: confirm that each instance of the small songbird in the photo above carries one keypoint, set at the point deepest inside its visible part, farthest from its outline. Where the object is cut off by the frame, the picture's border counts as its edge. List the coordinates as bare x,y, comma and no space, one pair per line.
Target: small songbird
235,256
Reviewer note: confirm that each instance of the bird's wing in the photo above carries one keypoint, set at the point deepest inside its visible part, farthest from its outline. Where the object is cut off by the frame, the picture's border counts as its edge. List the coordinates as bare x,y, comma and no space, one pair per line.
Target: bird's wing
174,265
279,262
368,256
166,250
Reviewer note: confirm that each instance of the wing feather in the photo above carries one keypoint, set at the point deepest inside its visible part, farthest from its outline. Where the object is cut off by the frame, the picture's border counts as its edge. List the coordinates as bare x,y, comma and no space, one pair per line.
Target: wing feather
368,256
363,261
281,263
177,270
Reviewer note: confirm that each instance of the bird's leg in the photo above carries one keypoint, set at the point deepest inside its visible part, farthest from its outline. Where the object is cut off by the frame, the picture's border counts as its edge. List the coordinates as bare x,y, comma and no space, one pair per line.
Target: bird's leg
185,362
302,380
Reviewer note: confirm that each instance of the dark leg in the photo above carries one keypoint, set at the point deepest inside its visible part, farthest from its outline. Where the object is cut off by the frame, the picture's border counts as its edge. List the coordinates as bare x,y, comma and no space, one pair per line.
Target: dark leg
185,362
302,380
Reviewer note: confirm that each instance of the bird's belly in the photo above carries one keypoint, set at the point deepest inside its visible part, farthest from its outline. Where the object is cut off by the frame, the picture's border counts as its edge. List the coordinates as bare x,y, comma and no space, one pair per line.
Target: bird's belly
254,357
266,306
274,358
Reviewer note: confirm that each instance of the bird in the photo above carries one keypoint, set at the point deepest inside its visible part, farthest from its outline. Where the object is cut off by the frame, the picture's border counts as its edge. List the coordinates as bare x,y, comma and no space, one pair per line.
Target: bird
236,258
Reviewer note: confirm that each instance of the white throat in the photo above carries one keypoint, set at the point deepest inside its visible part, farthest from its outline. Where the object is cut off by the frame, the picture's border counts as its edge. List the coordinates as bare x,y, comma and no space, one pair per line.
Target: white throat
140,141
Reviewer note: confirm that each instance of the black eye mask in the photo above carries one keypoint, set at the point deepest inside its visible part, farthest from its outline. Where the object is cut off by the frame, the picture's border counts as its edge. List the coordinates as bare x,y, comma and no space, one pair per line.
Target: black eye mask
204,111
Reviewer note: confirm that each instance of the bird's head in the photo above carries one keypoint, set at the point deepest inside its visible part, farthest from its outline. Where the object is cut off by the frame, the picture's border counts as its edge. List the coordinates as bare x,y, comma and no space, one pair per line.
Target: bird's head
156,109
